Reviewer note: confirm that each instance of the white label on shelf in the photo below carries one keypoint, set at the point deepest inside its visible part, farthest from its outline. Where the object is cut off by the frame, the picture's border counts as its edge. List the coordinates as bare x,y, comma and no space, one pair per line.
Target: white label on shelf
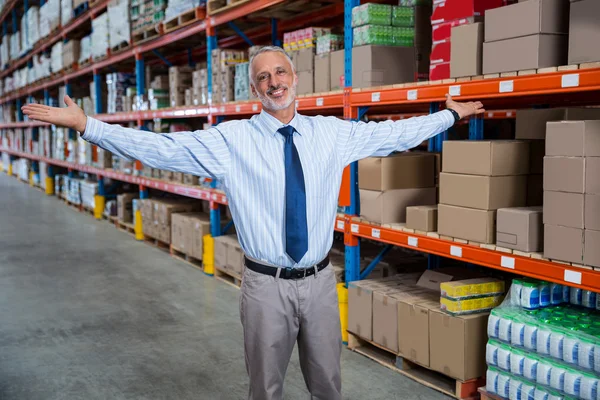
237,108
456,251
490,115
213,21
573,276
507,262
509,114
412,94
222,109
454,90
223,199
254,107
190,112
413,241
214,197
507,86
376,96
376,233
570,80
340,225
319,102
354,228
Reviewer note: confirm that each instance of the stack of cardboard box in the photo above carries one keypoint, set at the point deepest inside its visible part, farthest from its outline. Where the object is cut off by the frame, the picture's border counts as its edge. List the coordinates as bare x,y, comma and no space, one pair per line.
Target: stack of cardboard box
527,35
157,215
572,192
125,206
304,63
223,74
70,53
329,68
229,255
180,78
422,219
188,231
584,32
446,15
390,184
478,178
242,82
520,228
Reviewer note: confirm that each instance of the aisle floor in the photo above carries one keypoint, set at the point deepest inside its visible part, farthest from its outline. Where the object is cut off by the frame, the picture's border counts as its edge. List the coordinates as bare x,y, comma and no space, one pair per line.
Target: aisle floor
87,312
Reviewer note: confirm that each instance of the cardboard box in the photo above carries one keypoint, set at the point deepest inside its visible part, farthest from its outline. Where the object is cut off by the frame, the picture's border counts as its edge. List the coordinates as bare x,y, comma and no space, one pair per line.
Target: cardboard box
337,70
573,138
125,206
403,171
306,83
389,207
483,192
485,157
322,73
222,244
464,359
466,53
178,233
526,52
439,71
591,253
385,315
440,52
71,52
442,32
531,123
565,209
527,18
305,61
371,65
564,174
592,175
235,257
422,218
520,228
199,227
467,223
563,243
592,212
455,9
360,309
413,328
584,32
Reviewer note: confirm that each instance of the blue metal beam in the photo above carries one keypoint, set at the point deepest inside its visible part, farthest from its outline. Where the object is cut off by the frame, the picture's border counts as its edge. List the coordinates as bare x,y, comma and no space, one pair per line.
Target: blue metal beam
46,97
191,62
375,261
274,36
140,76
227,227
163,58
240,33
476,128
19,111
15,23
348,38
98,93
352,263
211,44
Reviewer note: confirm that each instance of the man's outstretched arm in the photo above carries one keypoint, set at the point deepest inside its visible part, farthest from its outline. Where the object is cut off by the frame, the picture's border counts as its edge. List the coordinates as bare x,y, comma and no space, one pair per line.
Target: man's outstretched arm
203,153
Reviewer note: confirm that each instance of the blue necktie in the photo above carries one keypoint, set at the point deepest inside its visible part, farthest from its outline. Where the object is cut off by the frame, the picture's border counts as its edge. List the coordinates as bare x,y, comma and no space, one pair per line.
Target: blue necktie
296,230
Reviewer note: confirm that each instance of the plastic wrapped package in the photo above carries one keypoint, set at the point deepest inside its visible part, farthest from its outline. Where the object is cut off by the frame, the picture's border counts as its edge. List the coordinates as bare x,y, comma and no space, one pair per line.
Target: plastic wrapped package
5,49
329,42
118,21
85,49
371,13
66,11
176,7
471,288
44,20
15,45
87,191
56,57
383,36
403,16
100,36
242,82
33,25
31,77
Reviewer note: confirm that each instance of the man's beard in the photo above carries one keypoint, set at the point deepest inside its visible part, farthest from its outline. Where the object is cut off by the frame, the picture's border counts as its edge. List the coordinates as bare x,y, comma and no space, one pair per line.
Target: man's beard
271,105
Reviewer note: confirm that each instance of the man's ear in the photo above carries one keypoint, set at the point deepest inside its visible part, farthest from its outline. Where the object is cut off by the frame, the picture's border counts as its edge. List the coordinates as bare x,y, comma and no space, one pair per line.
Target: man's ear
253,90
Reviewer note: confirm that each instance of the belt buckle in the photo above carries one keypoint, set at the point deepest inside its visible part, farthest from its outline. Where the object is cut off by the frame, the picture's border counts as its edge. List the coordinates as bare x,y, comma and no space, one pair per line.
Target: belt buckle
288,273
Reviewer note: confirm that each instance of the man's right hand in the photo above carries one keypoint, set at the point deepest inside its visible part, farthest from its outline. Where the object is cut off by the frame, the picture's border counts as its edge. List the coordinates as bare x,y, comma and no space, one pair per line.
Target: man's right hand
70,117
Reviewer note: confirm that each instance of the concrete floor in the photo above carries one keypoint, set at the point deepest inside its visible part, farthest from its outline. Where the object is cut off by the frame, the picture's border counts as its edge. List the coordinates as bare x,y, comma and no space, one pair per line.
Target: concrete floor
86,312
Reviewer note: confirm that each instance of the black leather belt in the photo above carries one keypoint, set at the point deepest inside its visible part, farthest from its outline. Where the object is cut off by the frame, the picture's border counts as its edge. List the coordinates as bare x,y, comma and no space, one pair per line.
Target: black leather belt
286,273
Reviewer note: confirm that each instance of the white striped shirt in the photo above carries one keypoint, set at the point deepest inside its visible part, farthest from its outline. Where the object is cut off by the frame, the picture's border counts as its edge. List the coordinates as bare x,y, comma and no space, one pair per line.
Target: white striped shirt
247,157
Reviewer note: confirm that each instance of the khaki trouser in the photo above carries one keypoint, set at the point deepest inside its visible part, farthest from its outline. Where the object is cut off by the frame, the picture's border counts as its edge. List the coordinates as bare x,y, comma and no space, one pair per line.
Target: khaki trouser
275,314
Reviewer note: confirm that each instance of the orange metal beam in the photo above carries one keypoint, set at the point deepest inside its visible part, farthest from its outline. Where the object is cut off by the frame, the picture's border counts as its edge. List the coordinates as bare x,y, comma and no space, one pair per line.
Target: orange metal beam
240,11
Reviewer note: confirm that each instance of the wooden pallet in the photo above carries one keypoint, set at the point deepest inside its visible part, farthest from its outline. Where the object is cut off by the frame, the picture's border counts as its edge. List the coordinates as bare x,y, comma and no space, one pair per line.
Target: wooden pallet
94,3
180,255
159,244
485,395
228,277
218,6
121,46
80,9
435,380
123,226
85,63
184,19
145,34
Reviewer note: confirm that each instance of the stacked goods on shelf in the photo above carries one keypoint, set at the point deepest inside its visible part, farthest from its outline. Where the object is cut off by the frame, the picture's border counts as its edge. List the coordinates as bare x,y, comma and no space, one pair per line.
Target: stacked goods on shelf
49,17
188,231
466,52
88,192
572,192
71,53
229,256
71,190
158,94
45,142
176,7
200,87
118,23
444,17
478,178
103,95
583,35
223,73
385,194
100,36
125,207
66,11
329,63
520,228
535,38
541,347
117,85
22,168
5,50
146,15
15,45
422,219
180,78
301,46
471,296
85,49
242,82
157,214
41,66
30,29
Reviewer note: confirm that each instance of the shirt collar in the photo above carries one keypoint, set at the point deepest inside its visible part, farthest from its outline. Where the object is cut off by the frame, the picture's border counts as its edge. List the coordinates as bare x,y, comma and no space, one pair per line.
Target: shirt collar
272,124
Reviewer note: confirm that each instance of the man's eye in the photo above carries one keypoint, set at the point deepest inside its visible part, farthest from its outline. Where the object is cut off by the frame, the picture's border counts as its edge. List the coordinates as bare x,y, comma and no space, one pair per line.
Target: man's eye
262,77
281,71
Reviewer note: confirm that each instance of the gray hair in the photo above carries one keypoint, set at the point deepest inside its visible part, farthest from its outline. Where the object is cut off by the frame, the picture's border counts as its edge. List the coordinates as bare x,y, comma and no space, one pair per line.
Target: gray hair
267,49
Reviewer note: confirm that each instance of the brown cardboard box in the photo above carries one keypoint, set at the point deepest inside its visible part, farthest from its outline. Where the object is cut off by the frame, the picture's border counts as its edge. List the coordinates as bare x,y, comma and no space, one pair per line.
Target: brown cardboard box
389,207
306,83
584,32
188,97
564,209
573,138
591,253
592,175
306,60
592,212
221,250
466,52
235,258
464,359
527,18
564,174
422,218
520,228
322,74
563,243
179,230
125,206
413,328
371,65
71,51
403,171
360,309
483,192
536,156
199,227
526,52
485,157
200,78
337,70
190,179
385,314
531,123
467,223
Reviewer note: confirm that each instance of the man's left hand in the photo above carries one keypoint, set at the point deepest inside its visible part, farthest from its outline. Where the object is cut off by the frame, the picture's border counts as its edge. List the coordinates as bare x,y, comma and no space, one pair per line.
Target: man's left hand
464,109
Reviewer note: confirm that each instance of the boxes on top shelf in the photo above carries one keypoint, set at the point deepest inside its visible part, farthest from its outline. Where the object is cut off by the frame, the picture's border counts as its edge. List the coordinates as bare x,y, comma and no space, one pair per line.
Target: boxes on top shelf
100,36
329,42
584,32
490,158
372,14
303,38
118,21
450,10
381,173
466,52
531,124
370,65
520,228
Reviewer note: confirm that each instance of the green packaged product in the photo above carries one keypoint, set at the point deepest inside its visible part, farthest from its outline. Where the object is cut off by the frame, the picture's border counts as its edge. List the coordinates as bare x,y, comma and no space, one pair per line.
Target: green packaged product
383,36
403,16
411,3
372,14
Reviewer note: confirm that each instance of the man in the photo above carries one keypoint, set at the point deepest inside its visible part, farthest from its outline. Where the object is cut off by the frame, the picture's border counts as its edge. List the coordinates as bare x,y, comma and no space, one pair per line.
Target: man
281,172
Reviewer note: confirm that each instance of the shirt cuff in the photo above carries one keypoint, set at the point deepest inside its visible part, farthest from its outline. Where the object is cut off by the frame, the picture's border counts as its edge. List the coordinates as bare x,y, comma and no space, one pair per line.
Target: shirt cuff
94,130
447,119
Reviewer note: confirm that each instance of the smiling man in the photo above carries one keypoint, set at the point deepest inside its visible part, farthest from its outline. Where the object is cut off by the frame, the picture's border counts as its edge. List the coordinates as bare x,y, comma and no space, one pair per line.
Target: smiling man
281,172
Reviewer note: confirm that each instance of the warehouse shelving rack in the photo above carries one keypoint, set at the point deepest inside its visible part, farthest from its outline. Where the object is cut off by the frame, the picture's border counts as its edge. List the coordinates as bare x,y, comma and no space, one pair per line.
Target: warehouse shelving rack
567,85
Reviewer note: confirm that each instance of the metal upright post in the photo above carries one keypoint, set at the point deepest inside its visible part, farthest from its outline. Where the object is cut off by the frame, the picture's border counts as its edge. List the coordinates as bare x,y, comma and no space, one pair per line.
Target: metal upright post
19,111
46,97
435,145
211,44
140,74
274,35
98,92
99,199
476,128
15,23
